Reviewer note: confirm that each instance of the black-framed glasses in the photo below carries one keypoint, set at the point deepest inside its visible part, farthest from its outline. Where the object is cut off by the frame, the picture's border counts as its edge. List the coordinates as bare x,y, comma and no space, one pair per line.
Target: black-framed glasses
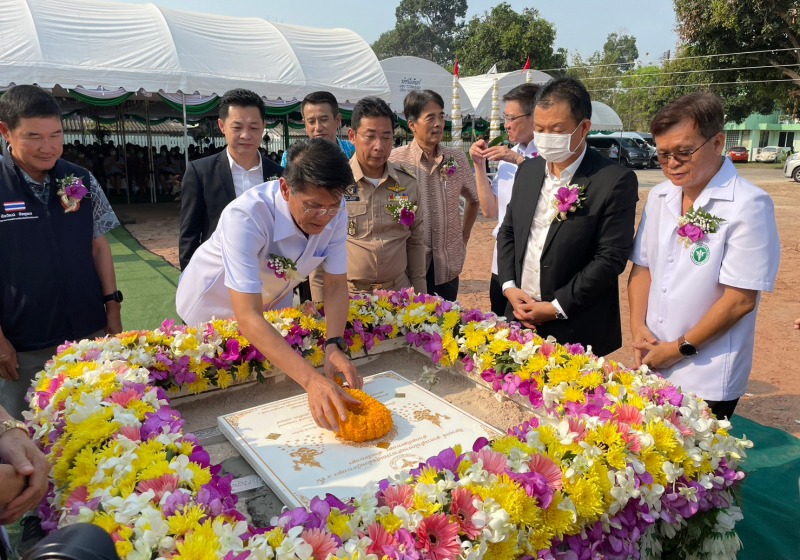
681,157
317,211
512,119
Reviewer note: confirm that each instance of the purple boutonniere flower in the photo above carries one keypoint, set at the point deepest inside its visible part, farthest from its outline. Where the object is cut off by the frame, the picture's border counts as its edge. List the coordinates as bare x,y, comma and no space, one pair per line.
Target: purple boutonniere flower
568,199
71,191
696,224
403,211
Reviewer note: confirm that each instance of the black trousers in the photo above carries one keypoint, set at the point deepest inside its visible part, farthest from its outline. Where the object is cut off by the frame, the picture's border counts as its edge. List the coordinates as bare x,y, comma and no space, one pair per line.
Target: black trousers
304,290
722,409
496,298
448,290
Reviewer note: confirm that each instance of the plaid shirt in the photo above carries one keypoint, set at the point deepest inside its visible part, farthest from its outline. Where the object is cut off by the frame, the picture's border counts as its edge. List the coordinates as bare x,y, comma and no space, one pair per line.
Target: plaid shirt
440,201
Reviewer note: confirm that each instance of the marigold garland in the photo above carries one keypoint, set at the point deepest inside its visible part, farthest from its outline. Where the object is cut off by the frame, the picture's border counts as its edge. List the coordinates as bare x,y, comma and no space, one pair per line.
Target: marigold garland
368,421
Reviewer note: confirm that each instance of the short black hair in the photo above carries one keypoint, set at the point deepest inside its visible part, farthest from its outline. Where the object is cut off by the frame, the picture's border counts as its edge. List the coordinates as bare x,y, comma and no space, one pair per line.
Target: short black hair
320,163
569,91
705,109
525,95
370,107
415,102
240,97
27,102
318,98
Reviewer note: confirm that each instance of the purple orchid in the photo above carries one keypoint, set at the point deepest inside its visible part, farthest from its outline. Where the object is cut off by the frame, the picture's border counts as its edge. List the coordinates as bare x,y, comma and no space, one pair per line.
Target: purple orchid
407,217
691,232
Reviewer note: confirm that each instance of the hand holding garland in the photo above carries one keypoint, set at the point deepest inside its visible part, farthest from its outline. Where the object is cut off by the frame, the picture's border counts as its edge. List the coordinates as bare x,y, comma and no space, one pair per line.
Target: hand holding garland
27,484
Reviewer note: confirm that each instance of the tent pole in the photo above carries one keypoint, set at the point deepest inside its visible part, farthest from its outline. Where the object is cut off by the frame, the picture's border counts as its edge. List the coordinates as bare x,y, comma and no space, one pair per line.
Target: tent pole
285,120
185,134
124,151
152,176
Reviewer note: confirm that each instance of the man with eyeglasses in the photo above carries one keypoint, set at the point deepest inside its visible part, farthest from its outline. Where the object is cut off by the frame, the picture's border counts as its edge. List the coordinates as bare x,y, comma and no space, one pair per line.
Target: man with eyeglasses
494,194
706,247
267,241
385,233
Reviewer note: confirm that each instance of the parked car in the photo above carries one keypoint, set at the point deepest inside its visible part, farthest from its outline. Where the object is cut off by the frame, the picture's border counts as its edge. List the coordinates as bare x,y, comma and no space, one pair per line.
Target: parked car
738,153
770,154
628,153
792,167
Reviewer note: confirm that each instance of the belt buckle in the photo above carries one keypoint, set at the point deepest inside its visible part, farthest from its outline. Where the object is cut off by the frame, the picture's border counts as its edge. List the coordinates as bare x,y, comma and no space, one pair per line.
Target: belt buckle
375,286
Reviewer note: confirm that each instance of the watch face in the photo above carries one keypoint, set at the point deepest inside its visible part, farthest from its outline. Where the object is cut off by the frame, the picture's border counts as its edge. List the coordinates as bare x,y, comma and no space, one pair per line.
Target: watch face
687,349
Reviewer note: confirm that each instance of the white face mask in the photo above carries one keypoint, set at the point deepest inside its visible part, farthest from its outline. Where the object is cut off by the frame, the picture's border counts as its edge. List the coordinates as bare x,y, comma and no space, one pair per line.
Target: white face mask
554,148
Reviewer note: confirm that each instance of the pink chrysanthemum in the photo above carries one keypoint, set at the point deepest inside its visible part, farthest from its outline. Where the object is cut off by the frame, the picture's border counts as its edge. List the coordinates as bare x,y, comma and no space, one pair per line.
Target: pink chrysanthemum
437,537
631,440
463,510
493,462
321,542
548,469
402,495
123,398
131,432
161,485
629,414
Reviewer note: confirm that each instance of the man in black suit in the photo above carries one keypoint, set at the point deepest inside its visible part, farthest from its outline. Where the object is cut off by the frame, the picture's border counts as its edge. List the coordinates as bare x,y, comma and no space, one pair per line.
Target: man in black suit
210,183
568,230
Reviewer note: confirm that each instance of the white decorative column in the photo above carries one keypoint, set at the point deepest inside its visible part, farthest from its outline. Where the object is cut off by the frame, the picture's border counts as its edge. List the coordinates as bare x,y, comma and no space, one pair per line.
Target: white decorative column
456,122
528,76
494,124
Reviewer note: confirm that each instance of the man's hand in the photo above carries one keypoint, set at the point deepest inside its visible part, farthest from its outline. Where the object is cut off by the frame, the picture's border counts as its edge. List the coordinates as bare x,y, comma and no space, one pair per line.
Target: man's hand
327,402
11,486
113,317
8,360
640,335
476,152
20,452
523,305
337,361
659,355
503,153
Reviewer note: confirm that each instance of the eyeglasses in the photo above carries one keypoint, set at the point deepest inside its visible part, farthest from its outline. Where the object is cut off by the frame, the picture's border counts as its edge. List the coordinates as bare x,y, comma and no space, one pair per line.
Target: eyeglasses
373,138
681,157
318,212
508,118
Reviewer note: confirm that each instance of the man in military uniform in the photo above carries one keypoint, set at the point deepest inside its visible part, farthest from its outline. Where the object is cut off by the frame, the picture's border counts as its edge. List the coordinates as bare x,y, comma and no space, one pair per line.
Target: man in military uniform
385,237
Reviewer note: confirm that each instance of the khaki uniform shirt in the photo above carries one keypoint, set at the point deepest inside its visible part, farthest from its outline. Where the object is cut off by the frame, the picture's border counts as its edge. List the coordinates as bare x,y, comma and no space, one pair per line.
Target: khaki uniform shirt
381,252
440,196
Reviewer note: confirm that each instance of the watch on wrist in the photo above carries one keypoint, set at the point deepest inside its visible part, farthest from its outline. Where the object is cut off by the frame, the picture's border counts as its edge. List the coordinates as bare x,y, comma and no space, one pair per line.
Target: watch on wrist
114,296
560,315
686,348
339,341
7,425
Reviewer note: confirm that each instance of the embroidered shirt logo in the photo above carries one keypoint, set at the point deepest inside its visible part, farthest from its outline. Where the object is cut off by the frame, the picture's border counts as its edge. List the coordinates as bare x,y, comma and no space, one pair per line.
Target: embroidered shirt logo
16,206
700,254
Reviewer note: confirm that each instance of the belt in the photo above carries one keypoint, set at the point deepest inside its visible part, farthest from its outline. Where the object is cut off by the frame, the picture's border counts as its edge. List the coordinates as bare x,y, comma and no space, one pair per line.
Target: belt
390,285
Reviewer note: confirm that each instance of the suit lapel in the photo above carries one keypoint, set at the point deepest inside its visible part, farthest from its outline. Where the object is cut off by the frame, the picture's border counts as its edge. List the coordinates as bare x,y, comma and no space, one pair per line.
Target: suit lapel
581,177
224,175
526,218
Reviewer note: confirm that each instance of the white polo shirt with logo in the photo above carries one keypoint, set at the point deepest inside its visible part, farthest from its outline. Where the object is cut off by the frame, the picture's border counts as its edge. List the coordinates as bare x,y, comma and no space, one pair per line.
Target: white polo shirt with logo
685,282
254,229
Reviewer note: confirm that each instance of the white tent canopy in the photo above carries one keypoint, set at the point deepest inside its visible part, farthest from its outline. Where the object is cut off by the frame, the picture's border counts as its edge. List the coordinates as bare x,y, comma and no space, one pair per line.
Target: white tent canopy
409,73
604,117
142,46
479,88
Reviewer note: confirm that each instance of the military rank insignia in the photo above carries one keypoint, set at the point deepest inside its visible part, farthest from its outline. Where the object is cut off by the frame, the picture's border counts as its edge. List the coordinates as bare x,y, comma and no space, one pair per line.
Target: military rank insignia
351,227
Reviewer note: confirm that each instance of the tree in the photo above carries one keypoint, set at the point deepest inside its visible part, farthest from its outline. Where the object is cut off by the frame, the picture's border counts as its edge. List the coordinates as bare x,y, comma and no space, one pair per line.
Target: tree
602,72
750,41
423,28
506,38
620,50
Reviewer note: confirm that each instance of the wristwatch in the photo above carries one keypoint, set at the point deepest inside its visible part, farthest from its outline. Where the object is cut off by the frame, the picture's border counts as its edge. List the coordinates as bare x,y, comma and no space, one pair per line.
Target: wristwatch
7,425
560,315
114,296
686,348
339,341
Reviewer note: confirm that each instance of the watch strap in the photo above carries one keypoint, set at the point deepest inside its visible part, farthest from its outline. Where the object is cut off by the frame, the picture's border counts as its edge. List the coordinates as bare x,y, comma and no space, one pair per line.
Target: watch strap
7,425
339,341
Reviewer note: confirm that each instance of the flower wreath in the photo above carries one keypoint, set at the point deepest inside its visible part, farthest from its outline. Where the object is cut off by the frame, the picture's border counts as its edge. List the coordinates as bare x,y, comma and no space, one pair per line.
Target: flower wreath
613,463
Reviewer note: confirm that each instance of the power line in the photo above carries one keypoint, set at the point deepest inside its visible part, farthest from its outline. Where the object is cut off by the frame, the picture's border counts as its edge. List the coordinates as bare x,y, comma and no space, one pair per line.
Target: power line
655,74
701,85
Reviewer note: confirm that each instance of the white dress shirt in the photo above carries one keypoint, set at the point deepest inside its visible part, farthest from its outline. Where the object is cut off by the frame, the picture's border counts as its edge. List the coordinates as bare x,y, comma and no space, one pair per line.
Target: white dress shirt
245,179
686,282
502,185
542,218
252,230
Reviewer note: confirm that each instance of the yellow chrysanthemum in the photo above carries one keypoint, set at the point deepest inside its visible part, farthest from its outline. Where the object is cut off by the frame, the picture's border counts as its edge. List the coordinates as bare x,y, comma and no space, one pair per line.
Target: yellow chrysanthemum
188,519
663,435
604,436
201,385
654,463
83,469
585,494
504,550
317,356
140,409
338,524
275,537
390,522
424,506
106,522
505,444
123,547
558,519
561,375
450,320
200,476
591,380
201,544
574,394
224,379
242,371
512,498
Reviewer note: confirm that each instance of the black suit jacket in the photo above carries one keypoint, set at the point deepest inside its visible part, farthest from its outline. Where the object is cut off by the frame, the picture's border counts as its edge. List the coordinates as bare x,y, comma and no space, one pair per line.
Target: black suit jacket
206,190
583,255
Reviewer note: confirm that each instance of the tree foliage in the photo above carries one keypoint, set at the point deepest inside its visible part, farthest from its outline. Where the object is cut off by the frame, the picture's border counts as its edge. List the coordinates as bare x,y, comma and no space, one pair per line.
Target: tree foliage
424,28
601,72
506,38
758,40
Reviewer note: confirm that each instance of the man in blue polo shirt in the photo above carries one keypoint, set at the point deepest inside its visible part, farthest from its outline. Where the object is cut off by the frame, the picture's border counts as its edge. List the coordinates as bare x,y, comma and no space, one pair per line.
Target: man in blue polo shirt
57,278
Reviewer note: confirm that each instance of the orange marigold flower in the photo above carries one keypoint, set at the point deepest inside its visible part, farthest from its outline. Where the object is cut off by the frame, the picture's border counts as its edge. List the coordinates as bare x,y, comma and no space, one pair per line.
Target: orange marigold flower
369,420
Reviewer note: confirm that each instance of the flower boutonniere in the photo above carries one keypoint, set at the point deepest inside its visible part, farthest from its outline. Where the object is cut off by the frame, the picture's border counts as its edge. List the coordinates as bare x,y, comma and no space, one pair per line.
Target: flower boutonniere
568,199
283,267
71,191
404,212
695,224
448,168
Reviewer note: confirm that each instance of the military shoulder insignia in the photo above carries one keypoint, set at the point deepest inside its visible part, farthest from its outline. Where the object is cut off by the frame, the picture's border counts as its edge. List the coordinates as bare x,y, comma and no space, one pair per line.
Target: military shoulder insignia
351,194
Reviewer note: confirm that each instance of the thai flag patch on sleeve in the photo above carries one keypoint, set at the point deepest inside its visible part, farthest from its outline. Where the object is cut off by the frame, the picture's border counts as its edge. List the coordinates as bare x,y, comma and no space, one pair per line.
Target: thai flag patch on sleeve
18,206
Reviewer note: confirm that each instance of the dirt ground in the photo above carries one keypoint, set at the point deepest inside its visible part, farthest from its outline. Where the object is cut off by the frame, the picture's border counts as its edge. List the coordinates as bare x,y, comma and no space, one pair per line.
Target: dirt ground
773,397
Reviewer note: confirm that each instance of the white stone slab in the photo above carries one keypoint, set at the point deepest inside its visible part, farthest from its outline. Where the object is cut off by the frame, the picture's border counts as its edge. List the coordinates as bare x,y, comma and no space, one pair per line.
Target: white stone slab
299,460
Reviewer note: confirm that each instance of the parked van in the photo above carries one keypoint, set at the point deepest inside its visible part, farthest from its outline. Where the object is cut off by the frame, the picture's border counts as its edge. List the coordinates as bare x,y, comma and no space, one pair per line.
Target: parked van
628,152
644,140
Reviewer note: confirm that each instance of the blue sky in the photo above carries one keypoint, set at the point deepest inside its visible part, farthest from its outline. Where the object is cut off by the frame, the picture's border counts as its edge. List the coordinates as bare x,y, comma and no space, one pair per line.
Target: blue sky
582,25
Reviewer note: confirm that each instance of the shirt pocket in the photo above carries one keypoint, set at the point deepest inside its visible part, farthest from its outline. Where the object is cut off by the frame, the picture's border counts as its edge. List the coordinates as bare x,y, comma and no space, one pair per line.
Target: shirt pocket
358,223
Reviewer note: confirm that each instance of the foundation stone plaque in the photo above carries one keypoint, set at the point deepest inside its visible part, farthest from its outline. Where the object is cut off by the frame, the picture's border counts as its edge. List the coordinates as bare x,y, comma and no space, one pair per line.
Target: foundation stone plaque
299,460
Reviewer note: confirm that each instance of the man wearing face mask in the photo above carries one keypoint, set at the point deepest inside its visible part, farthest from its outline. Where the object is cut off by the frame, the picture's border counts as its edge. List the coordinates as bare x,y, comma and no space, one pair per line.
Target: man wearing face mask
568,229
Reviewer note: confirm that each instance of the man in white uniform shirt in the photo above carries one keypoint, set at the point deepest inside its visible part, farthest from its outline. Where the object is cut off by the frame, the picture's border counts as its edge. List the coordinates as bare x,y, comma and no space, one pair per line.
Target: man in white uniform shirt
268,240
495,194
696,282
559,269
